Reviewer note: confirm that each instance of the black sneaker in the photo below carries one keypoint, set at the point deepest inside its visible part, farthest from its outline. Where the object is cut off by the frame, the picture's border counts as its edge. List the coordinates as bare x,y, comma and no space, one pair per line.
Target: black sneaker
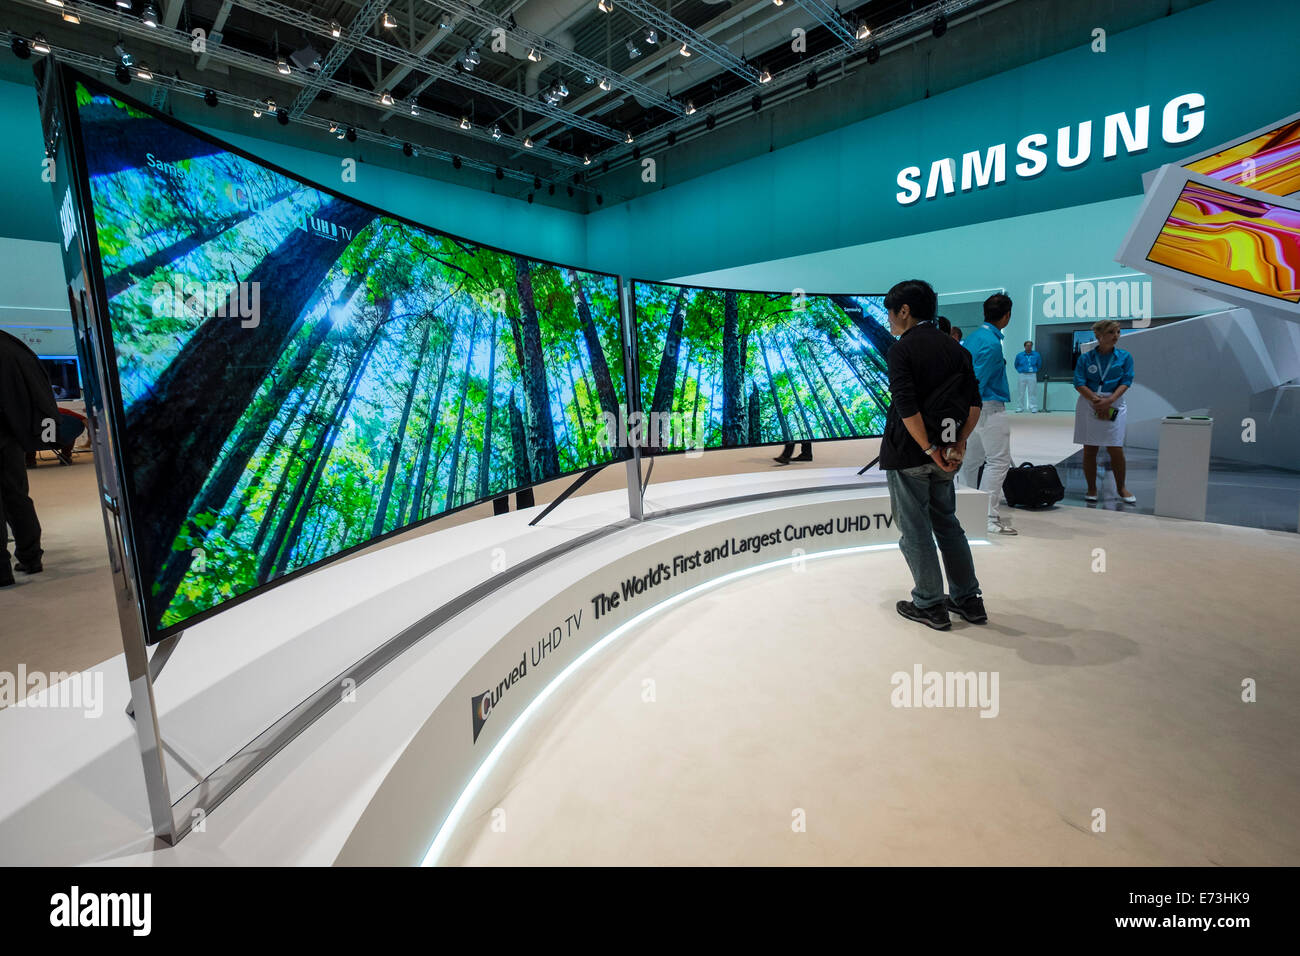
971,610
935,617
807,457
29,567
6,578
781,461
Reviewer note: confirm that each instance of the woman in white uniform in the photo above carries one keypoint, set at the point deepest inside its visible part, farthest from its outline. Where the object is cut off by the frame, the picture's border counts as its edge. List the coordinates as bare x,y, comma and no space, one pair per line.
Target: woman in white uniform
1101,377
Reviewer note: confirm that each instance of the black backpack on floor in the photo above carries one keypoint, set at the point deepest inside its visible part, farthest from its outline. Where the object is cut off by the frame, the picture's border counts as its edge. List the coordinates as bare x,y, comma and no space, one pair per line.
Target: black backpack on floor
1033,486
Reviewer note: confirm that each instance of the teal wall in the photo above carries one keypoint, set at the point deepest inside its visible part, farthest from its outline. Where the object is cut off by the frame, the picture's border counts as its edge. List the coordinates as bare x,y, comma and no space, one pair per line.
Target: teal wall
838,190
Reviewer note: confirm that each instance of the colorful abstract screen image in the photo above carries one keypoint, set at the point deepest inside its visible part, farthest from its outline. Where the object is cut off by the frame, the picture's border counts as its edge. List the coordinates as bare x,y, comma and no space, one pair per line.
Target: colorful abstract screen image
1241,242
300,374
1268,163
729,369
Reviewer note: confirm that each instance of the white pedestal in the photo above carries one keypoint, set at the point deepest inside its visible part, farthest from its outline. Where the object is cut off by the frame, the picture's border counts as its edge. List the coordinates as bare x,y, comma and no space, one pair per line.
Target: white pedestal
1183,467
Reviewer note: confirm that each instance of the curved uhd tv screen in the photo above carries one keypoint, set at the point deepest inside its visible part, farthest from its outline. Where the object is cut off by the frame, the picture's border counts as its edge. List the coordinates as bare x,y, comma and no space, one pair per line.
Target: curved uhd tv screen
300,375
721,368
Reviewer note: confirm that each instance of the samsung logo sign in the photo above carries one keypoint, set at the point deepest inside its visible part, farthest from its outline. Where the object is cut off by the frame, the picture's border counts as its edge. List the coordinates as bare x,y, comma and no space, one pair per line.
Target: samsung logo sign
1181,120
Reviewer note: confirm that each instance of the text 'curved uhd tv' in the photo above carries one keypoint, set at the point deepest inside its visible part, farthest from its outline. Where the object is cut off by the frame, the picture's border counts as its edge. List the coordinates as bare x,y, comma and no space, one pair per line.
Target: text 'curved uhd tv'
722,368
300,374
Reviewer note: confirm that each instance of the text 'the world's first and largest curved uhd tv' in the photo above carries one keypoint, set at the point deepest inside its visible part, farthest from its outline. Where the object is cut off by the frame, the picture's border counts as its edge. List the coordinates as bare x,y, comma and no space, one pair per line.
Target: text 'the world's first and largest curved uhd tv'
721,368
301,374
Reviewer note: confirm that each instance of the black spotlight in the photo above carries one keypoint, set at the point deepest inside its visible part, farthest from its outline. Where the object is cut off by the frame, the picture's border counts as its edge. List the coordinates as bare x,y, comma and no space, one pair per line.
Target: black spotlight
600,200
550,190
710,121
810,80
501,173
756,102
530,199
672,137
455,162
122,74
873,54
23,50
282,116
940,26
210,97
537,182
408,150
352,134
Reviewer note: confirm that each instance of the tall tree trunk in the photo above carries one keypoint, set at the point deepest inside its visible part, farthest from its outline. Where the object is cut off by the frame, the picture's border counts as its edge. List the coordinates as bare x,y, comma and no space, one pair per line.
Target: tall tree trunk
178,429
431,426
518,444
812,388
771,384
871,388
695,410
293,454
755,418
460,414
733,425
663,397
849,427
599,366
808,432
539,425
219,485
484,468
583,442
390,475
275,559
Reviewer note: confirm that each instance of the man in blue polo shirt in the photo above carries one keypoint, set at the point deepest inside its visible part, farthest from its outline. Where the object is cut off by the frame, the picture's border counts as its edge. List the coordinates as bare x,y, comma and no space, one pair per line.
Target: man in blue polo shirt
1028,363
990,443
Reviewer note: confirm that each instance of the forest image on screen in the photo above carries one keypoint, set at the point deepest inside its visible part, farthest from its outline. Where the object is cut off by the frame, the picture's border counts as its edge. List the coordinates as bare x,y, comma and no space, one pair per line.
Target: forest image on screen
749,368
300,374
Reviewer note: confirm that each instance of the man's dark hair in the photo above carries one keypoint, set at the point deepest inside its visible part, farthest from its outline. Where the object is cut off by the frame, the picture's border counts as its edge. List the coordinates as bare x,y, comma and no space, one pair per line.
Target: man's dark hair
996,306
917,294
1029,343
958,331
944,325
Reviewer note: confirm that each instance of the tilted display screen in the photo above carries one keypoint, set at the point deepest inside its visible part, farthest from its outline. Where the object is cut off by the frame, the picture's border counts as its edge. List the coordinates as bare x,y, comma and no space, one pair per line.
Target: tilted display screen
1239,241
722,368
300,375
1268,162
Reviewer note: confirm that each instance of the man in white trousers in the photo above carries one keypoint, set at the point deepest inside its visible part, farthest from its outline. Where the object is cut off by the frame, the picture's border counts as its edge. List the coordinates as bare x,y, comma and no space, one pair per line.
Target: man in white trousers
1028,363
990,444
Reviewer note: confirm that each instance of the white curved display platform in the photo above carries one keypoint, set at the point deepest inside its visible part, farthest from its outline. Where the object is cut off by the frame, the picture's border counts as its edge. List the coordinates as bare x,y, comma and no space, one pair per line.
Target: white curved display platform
501,655
372,778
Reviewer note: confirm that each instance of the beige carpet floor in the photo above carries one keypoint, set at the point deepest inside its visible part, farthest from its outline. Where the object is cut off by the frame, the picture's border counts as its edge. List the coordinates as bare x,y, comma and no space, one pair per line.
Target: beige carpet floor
705,735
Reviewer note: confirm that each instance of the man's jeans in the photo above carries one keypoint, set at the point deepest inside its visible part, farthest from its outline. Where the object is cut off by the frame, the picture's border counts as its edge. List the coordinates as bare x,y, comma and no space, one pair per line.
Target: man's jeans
925,509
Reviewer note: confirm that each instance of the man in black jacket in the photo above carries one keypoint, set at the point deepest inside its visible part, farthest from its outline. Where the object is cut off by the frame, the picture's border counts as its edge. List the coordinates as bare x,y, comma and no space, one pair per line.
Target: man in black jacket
935,405
28,418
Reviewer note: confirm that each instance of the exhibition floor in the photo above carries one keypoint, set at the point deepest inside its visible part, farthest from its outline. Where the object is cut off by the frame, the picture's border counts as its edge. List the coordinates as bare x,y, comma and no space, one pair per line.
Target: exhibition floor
1118,690
704,731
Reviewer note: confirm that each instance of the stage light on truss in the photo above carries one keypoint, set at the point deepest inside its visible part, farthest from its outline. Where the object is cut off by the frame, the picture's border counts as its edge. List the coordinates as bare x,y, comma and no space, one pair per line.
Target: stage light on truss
683,51
149,16
605,6
605,84
336,31
40,44
282,66
389,22
534,55
144,72
386,98
528,142
465,123
862,32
